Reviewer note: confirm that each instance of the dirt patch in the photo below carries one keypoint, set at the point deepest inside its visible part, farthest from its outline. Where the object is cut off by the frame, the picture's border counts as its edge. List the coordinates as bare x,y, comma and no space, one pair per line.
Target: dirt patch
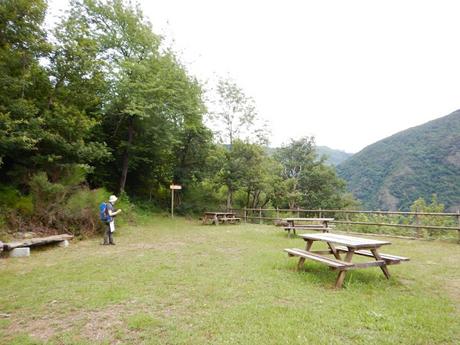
95,325
452,287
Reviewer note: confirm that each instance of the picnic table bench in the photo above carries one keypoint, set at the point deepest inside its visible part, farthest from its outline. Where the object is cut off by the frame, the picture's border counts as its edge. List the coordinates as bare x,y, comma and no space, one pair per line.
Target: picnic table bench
319,224
349,246
220,218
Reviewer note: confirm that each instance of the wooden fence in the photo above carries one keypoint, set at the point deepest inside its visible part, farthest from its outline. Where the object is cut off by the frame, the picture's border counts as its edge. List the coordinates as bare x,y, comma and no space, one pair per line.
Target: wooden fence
347,219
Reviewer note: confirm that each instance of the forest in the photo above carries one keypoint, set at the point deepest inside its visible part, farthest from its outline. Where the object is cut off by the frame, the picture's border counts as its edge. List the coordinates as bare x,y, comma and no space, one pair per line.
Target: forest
98,104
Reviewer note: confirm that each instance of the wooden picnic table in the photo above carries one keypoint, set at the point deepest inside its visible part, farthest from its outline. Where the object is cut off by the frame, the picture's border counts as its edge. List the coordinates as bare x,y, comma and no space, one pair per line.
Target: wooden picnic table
348,245
321,224
220,217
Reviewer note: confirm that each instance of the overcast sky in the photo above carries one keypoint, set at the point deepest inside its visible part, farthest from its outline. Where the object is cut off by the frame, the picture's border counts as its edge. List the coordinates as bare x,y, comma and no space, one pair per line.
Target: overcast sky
348,73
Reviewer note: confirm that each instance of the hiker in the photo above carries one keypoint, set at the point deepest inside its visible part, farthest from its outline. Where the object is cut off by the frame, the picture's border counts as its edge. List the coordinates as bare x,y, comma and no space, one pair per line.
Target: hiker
108,214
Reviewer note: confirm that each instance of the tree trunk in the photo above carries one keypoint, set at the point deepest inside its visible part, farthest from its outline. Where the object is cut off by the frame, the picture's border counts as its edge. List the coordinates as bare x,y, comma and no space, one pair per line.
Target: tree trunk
248,198
229,199
124,169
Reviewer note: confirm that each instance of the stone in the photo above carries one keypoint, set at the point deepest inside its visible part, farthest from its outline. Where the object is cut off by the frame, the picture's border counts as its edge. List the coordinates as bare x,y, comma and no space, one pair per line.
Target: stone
63,244
19,252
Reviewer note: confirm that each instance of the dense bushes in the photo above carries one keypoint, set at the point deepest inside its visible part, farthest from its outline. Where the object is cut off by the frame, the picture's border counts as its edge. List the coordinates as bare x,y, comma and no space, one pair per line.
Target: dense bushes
64,206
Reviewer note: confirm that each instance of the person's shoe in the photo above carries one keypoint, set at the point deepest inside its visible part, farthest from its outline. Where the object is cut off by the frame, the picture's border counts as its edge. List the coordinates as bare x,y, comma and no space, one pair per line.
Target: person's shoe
113,243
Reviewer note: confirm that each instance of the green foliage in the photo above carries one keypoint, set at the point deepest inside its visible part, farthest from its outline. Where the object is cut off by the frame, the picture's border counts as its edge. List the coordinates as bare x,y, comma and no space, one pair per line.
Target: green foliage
104,104
307,181
235,115
333,157
412,164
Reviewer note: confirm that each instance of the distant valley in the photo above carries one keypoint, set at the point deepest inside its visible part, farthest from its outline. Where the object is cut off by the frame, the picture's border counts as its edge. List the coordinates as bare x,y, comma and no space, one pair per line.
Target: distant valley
333,156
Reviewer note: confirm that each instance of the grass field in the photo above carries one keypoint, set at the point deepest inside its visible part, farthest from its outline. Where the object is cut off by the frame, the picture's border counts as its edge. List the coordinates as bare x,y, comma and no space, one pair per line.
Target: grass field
178,282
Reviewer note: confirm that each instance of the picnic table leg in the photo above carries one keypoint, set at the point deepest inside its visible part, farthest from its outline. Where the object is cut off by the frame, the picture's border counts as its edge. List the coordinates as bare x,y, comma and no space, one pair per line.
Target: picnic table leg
341,275
290,225
334,251
302,260
384,267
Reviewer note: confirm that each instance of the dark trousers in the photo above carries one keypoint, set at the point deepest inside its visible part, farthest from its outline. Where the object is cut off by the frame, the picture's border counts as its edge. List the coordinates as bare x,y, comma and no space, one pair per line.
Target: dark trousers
108,235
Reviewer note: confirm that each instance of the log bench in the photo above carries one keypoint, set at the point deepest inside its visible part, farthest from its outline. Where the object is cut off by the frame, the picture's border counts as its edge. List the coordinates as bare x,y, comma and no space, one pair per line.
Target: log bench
33,242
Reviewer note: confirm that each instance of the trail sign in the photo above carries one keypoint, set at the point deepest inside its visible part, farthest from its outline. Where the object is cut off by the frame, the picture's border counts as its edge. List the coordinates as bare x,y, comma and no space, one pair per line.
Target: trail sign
173,187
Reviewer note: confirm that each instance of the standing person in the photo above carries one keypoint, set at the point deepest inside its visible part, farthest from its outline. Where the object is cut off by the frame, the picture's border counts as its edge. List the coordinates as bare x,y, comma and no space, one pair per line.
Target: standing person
108,214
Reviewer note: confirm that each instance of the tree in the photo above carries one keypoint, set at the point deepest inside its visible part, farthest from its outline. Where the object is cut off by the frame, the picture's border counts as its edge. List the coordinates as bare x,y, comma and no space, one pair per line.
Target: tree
307,181
235,119
23,82
154,107
237,113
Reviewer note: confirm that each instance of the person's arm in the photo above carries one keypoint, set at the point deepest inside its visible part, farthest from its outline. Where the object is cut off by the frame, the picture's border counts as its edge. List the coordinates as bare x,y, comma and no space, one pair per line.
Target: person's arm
114,213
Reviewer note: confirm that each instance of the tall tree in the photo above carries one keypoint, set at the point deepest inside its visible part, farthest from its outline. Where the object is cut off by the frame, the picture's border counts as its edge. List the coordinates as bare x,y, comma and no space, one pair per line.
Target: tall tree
234,118
23,82
235,115
154,107
307,180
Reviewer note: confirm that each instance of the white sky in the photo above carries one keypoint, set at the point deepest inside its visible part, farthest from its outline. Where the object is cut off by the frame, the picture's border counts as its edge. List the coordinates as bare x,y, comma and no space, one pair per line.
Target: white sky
347,72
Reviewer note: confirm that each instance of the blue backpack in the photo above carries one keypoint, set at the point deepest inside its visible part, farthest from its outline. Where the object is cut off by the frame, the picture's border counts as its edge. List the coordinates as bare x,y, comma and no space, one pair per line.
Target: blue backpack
104,212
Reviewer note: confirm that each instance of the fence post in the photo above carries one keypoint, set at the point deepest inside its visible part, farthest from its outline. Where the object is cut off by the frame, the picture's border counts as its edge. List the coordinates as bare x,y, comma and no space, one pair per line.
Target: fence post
277,213
260,216
319,213
417,222
298,212
458,222
245,215
347,217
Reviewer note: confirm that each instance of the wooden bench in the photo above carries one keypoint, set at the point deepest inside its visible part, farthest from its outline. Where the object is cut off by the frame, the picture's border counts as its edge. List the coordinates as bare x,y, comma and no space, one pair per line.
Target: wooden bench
333,263
217,218
231,220
306,227
317,224
388,258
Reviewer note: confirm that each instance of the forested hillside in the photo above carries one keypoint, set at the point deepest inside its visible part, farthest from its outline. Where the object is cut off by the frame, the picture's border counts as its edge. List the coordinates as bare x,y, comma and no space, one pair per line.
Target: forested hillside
418,162
333,157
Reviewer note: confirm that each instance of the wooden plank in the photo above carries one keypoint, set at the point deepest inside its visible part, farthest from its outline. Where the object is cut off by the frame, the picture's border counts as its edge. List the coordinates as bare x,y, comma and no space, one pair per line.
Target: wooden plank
378,263
1,246
302,227
348,241
328,261
294,219
37,241
386,257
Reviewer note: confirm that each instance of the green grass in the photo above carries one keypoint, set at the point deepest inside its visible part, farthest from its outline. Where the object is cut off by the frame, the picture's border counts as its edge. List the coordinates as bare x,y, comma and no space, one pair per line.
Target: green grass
178,282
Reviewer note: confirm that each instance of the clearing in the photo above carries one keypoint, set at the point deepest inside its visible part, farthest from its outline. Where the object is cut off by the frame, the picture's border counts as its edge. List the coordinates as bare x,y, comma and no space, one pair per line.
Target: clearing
179,282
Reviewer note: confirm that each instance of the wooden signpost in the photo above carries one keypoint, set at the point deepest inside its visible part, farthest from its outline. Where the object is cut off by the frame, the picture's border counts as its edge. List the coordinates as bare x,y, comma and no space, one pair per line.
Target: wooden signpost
173,187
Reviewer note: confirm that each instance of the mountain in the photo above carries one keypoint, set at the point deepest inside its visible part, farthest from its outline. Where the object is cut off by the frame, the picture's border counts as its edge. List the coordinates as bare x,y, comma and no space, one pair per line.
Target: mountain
418,162
334,157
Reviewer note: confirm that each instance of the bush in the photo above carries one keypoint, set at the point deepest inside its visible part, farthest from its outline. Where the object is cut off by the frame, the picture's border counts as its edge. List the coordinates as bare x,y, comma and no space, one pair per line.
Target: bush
66,205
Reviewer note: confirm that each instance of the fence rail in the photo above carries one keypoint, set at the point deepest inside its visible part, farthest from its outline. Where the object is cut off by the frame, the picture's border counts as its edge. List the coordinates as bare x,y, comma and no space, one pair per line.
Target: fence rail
275,214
